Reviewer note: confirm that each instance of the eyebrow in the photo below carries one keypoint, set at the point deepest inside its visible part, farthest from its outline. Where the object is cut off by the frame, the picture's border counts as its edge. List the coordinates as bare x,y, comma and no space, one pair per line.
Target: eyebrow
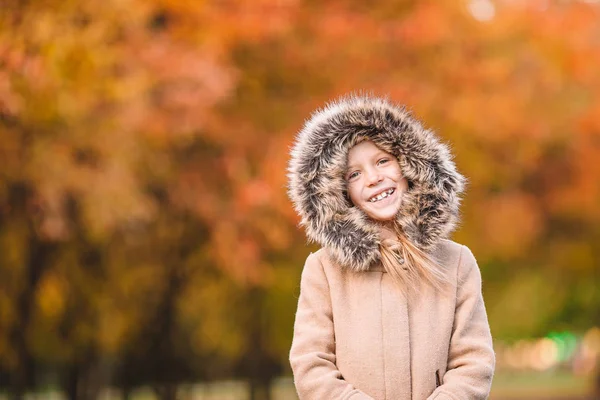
379,153
350,167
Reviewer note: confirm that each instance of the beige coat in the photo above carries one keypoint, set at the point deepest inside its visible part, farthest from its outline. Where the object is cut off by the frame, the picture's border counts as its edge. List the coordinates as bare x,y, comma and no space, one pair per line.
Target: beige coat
356,336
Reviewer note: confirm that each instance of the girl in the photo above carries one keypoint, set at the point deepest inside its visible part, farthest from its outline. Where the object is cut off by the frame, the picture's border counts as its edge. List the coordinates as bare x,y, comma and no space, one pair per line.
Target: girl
388,308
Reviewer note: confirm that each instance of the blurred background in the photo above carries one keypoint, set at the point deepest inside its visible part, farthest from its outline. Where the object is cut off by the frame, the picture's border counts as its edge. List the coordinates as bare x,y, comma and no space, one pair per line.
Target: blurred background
148,249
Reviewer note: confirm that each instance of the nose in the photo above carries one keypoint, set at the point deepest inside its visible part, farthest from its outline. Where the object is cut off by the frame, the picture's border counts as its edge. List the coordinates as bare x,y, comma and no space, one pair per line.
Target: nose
373,178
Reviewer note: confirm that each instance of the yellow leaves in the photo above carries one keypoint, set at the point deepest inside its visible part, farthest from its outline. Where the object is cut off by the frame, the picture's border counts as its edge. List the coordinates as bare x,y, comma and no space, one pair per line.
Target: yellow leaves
135,283
85,76
113,326
573,257
51,297
109,192
202,307
115,199
108,101
13,243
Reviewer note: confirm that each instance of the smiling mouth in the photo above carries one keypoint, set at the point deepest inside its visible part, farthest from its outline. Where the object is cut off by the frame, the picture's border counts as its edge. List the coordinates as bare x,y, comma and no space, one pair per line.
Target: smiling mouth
382,195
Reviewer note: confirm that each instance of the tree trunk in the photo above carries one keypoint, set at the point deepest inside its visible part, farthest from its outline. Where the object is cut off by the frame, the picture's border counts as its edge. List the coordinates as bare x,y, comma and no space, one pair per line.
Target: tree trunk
71,382
166,391
125,393
39,254
596,389
260,390
17,393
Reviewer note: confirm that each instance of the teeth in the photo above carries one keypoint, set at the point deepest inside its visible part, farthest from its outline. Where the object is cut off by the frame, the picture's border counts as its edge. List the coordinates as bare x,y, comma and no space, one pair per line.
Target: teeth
381,196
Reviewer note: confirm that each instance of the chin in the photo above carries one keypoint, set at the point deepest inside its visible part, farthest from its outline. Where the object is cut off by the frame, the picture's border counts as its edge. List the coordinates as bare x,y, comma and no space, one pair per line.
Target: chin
382,216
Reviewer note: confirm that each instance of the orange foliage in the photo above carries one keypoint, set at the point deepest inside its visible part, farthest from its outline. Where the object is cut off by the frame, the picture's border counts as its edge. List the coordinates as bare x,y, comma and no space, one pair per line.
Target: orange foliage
157,133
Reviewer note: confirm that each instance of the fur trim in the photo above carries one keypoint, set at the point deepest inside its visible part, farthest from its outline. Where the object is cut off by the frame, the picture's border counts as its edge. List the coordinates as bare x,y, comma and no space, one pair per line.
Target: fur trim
317,187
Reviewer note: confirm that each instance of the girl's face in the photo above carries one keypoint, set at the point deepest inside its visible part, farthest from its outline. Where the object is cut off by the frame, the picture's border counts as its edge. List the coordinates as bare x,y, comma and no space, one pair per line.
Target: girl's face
375,181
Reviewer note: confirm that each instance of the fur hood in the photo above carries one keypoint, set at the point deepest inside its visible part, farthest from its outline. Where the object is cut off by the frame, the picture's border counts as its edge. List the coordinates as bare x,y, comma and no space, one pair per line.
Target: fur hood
317,187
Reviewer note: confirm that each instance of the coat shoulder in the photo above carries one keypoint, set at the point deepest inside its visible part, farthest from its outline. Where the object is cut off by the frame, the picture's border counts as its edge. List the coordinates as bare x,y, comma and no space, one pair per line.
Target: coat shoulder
331,268
320,255
449,246
448,253
323,255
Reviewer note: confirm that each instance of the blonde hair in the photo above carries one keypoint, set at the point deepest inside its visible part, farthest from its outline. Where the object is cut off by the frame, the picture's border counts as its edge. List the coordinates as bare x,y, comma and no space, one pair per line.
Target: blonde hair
408,265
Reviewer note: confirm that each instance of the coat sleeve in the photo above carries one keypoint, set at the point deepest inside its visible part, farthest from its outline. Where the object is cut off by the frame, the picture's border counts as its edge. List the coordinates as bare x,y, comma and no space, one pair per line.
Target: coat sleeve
312,355
471,358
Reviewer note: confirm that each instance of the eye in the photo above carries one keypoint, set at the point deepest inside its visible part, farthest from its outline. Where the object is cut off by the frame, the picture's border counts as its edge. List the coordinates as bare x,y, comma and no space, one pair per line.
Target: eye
383,161
353,175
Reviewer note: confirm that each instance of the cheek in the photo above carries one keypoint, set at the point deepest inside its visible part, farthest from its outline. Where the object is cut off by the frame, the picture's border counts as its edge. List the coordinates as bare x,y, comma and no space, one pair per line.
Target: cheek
402,181
404,184
353,194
